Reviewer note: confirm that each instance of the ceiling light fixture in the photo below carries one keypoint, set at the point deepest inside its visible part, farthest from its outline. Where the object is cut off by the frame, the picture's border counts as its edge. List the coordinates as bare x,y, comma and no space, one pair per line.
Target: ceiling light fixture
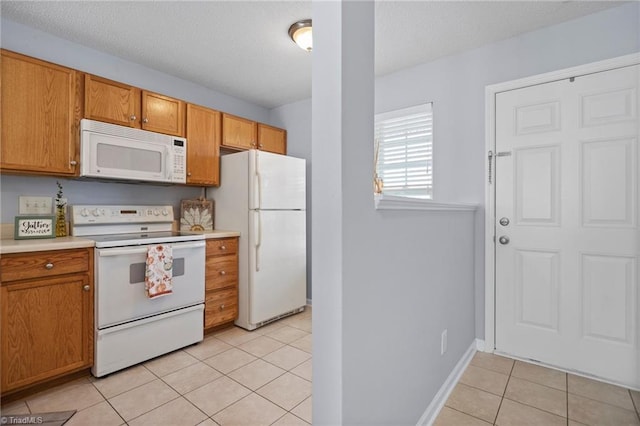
300,33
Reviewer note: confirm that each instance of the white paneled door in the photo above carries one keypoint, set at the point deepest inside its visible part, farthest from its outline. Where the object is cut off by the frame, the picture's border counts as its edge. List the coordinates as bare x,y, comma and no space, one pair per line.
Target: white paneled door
567,236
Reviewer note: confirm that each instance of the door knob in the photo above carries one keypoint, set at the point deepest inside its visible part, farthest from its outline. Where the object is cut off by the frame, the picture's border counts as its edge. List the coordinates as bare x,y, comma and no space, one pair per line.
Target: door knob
86,288
503,240
504,221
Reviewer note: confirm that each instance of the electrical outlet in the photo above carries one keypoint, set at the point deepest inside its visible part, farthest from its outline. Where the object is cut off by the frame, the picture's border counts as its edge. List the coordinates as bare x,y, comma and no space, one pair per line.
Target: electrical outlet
443,342
35,205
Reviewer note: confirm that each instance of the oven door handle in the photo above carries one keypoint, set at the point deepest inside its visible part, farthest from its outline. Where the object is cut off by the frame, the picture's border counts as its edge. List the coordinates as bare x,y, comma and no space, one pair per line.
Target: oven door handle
106,252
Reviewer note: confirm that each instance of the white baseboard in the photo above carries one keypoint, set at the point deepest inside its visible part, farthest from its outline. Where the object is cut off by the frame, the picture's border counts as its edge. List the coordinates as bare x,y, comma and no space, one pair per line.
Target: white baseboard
445,390
480,345
309,302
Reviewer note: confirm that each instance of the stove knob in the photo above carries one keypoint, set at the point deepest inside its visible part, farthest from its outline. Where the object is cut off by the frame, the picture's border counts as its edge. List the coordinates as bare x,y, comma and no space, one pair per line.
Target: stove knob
156,212
96,212
84,212
165,212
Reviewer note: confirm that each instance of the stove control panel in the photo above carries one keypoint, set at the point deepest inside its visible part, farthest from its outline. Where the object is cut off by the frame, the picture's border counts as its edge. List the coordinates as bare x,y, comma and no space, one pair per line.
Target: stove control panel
114,214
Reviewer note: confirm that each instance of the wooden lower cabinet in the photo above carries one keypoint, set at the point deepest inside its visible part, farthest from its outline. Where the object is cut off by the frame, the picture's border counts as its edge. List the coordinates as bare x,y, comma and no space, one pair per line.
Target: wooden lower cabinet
221,288
47,316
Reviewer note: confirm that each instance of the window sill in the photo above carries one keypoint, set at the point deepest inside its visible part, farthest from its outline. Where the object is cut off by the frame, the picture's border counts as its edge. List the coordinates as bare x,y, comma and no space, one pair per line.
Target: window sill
393,202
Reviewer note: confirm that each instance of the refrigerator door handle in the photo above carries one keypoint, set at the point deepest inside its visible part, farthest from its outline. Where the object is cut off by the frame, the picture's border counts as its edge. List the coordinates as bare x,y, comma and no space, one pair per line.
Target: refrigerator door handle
259,185
258,240
257,182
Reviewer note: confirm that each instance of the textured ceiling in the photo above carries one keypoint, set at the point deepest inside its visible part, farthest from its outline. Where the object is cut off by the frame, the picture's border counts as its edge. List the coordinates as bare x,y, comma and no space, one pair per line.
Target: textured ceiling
242,48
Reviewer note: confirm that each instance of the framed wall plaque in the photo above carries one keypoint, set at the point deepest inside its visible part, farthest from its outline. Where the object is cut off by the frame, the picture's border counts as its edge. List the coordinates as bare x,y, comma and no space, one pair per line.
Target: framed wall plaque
196,215
30,227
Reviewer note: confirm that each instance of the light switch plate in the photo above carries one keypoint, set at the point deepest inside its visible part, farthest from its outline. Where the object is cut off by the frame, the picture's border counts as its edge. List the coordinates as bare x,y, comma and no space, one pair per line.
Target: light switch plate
35,205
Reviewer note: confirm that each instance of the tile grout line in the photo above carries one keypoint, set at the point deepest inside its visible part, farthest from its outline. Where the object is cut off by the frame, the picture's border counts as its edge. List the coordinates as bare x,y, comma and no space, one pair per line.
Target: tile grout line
465,413
109,402
566,394
504,392
633,401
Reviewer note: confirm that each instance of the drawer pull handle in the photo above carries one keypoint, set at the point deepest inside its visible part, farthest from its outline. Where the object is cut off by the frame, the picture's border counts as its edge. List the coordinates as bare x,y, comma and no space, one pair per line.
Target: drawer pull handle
223,247
86,287
221,307
223,273
49,266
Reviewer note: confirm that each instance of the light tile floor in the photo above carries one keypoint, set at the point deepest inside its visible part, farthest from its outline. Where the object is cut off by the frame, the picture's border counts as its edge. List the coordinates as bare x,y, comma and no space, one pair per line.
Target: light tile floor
501,391
233,377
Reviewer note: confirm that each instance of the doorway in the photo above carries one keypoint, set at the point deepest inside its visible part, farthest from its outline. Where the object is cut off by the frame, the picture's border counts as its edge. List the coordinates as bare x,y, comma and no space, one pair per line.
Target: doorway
565,220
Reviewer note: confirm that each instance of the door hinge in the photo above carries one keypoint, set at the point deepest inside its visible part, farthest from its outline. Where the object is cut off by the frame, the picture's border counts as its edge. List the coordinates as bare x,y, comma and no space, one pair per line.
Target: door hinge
503,154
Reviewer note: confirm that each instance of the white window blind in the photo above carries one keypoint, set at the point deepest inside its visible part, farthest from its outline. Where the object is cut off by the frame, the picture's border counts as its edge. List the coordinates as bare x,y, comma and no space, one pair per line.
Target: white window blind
405,151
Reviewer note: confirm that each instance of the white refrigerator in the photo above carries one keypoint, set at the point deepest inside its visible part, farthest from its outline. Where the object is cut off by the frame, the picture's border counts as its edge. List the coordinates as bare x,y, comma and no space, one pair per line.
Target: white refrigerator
262,195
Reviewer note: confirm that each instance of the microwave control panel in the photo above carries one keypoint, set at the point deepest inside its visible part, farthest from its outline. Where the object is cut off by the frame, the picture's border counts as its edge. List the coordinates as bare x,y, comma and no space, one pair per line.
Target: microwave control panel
179,172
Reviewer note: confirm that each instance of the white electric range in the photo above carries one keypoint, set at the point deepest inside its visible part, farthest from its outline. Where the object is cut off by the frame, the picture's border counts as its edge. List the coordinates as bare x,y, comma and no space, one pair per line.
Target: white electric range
129,326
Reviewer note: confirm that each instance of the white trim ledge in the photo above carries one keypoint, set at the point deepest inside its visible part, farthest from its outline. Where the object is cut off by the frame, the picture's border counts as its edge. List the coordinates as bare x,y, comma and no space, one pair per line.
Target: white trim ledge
394,202
445,390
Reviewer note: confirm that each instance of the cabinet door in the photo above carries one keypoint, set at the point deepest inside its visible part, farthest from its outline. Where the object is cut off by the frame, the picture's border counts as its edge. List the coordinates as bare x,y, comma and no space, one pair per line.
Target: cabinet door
40,116
203,146
110,101
238,133
272,139
47,329
163,114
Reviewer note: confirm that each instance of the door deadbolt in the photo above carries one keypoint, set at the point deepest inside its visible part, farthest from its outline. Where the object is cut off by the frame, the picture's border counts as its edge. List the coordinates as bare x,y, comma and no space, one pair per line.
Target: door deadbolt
503,240
504,221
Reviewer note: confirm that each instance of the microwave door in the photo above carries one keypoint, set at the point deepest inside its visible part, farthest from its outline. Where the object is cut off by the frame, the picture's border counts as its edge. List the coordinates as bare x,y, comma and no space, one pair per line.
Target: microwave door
122,158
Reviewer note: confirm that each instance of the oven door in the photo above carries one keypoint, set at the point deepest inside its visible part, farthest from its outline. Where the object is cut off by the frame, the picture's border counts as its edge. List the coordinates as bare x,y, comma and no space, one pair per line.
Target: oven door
120,289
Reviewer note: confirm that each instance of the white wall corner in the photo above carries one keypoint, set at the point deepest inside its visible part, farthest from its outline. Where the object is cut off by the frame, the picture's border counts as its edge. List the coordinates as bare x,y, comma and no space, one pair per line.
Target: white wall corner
445,390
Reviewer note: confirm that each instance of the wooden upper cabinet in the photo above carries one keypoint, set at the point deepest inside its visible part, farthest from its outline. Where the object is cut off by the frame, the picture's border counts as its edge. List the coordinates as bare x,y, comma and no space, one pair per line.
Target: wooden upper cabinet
41,108
238,132
110,101
272,139
118,103
203,146
163,114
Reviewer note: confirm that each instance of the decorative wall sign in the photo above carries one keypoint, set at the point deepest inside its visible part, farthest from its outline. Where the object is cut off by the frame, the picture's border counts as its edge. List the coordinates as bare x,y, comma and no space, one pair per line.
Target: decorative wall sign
196,215
28,227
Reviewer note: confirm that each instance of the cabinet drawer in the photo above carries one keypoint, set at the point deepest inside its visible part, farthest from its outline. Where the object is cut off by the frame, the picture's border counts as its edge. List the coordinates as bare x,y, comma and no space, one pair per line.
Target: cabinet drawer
222,246
220,307
221,271
43,264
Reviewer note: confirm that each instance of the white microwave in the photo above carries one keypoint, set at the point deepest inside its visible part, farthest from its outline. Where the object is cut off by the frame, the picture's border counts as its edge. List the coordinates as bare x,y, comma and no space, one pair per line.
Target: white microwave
109,151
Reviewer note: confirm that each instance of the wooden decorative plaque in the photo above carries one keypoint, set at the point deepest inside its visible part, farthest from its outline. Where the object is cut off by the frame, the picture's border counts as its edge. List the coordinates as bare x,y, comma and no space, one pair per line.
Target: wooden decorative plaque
28,227
196,215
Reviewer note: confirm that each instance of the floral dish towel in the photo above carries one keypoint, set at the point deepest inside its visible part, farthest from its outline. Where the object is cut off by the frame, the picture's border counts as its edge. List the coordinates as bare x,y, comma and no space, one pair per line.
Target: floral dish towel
159,271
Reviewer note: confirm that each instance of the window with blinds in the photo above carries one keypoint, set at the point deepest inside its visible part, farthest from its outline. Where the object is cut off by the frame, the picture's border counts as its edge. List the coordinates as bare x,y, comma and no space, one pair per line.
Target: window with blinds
404,140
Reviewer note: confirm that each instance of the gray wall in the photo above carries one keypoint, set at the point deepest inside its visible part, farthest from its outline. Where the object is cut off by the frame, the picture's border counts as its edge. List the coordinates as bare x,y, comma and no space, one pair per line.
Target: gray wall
32,42
405,276
456,85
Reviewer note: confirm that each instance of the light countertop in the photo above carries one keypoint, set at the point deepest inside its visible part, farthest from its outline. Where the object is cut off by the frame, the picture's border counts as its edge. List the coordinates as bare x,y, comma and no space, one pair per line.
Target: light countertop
9,245
60,243
216,233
